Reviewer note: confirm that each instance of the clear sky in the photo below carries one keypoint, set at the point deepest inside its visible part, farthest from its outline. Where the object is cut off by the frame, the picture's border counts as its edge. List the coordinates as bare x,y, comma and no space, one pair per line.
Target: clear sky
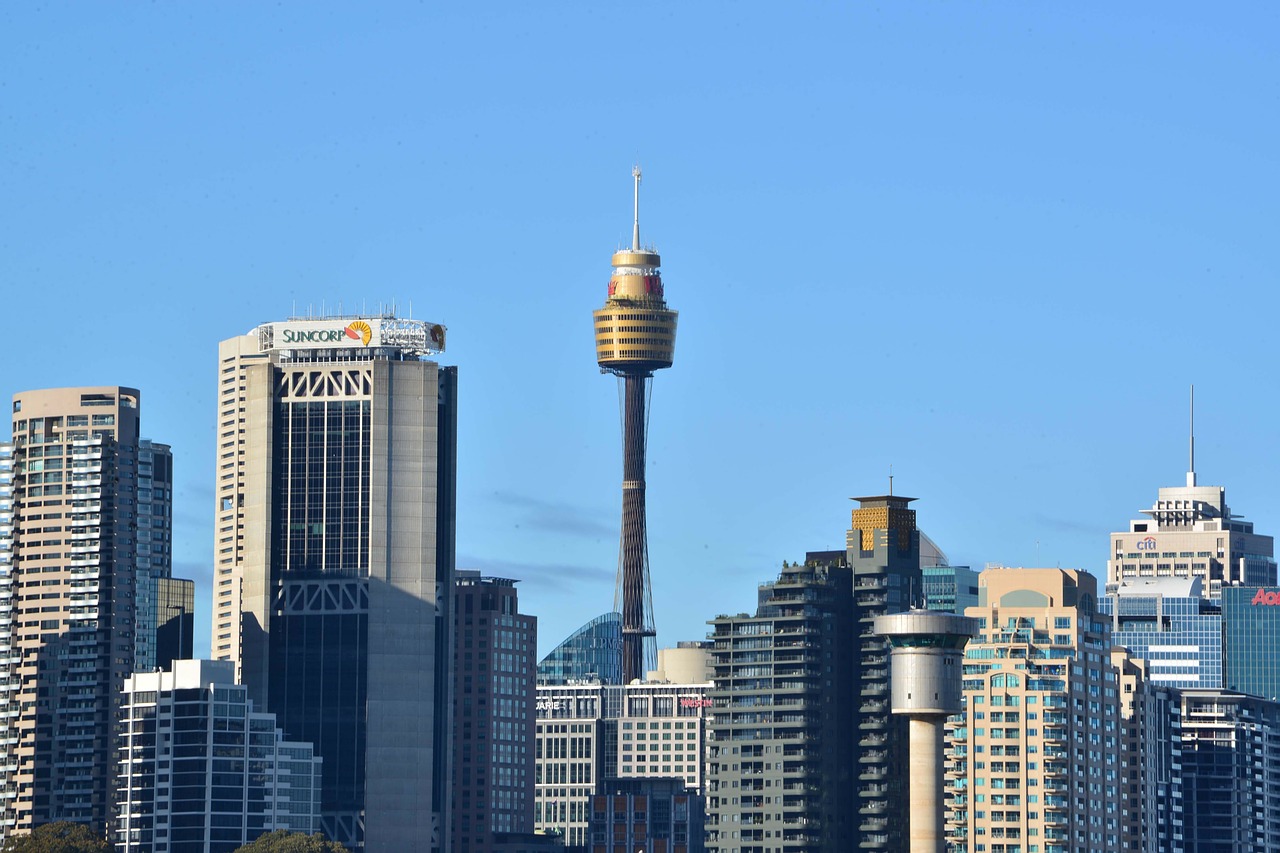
989,244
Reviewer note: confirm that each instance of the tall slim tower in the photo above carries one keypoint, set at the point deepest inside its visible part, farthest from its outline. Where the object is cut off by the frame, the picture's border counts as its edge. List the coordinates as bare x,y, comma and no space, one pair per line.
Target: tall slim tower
635,335
335,558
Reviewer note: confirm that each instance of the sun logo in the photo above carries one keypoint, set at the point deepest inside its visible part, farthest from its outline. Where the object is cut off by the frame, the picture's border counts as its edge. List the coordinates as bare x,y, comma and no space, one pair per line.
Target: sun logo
360,331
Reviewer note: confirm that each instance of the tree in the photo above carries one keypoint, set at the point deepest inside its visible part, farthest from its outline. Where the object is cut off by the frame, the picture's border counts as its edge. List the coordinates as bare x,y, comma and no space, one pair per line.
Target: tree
60,837
283,841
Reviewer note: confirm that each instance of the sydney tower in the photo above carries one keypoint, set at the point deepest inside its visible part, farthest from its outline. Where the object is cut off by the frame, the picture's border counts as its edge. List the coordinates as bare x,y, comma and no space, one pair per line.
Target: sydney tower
635,335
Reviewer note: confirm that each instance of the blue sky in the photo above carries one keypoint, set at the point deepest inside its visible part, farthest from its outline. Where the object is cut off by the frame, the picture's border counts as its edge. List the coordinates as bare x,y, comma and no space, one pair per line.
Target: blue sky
990,245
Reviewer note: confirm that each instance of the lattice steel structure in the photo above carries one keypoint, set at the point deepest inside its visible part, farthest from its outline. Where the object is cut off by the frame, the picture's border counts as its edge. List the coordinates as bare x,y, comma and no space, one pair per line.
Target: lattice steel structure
635,335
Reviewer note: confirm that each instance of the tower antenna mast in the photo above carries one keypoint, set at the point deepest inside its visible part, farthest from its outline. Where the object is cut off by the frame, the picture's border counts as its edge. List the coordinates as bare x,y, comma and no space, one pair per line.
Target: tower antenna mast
635,228
1191,471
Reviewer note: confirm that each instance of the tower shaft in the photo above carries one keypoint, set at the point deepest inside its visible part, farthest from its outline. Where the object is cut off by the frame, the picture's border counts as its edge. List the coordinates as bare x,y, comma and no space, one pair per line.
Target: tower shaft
633,598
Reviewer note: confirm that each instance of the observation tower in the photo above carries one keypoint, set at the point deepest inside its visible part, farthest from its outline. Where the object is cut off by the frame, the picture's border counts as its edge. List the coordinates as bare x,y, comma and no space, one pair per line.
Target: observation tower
926,652
635,335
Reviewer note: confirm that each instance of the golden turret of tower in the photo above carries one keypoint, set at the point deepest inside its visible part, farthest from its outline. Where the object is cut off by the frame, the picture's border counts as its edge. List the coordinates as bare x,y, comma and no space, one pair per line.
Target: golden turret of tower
635,331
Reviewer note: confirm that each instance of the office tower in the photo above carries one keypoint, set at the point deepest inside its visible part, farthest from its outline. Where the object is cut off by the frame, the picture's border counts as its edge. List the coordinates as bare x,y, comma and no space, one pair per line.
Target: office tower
926,650
949,589
1171,624
1151,759
494,696
635,335
1038,757
155,544
1191,532
593,653
175,617
72,581
883,547
653,815
591,732
1230,772
201,771
1250,639
334,559
783,771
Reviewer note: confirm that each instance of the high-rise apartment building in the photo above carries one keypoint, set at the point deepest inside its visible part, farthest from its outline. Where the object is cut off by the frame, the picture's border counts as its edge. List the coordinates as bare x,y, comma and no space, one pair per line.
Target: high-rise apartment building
1191,532
494,696
1038,757
334,558
84,538
588,733
201,771
883,547
782,772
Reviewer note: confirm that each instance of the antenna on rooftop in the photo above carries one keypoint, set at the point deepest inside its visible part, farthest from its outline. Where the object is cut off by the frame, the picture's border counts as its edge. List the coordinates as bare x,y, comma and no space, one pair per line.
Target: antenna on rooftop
1191,471
890,481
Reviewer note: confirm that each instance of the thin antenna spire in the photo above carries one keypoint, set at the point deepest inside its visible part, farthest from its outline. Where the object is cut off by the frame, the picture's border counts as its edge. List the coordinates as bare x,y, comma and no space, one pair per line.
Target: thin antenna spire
1191,470
635,231
890,481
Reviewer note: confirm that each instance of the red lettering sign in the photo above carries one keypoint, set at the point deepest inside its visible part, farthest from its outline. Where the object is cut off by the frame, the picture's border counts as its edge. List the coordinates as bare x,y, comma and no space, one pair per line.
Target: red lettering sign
695,703
1266,598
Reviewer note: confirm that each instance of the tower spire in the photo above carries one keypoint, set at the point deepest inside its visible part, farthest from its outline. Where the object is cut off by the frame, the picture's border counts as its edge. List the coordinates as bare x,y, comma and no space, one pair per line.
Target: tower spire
635,230
1191,469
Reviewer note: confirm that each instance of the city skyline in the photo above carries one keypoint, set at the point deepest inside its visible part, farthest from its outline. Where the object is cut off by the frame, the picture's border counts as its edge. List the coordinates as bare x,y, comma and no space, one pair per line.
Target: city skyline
974,234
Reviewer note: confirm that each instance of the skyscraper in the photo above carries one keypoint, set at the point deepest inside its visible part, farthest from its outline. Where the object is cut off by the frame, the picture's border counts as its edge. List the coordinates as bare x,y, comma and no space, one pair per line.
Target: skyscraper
635,335
334,559
494,696
77,591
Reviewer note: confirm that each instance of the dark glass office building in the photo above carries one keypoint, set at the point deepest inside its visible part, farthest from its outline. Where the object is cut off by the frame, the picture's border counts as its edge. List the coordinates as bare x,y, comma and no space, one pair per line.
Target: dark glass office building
335,558
1251,640
591,653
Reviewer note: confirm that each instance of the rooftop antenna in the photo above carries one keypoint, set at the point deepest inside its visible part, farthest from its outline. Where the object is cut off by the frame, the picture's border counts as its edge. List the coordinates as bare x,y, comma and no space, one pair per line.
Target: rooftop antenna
1191,471
635,230
890,481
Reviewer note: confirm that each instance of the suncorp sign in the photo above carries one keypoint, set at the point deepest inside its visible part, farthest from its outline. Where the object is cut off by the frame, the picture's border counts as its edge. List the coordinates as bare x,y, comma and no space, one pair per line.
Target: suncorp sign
414,336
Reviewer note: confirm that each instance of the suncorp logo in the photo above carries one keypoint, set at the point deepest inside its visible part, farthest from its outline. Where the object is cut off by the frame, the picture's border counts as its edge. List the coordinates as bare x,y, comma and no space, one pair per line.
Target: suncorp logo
356,331
1267,598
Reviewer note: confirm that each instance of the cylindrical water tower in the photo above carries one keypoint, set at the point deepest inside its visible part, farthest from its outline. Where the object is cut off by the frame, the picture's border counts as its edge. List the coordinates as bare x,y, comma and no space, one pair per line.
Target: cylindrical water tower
925,664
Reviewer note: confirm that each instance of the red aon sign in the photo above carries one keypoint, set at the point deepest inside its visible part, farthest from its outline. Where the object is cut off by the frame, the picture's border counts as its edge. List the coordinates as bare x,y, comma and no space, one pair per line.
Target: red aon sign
1264,597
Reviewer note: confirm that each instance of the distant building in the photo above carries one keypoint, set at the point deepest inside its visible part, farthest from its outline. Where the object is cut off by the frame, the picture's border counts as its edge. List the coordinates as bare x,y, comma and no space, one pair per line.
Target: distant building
783,767
591,732
1230,751
590,654
1191,532
201,771
175,621
950,589
1169,623
1037,757
688,663
85,516
1251,640
334,559
493,714
646,815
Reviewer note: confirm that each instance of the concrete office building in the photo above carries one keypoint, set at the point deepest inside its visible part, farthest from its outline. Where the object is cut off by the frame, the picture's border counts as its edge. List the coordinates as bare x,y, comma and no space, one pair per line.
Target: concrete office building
494,695
334,558
587,733
688,663
1172,625
201,771
926,650
782,773
77,592
591,654
1037,758
1191,532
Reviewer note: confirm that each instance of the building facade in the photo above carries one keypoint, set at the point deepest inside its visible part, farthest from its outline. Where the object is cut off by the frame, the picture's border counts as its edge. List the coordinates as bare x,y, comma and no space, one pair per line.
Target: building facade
200,771
593,653
494,696
1250,640
782,772
590,732
1191,532
76,592
334,558
646,815
1172,625
1037,758
950,589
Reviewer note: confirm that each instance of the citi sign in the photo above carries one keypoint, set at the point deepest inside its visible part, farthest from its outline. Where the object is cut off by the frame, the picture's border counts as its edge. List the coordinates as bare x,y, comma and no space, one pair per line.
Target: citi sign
1271,599
1148,544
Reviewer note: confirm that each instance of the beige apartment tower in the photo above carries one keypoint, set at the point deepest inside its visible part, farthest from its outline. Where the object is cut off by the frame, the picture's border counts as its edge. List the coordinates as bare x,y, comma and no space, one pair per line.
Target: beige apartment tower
334,559
1039,758
77,589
